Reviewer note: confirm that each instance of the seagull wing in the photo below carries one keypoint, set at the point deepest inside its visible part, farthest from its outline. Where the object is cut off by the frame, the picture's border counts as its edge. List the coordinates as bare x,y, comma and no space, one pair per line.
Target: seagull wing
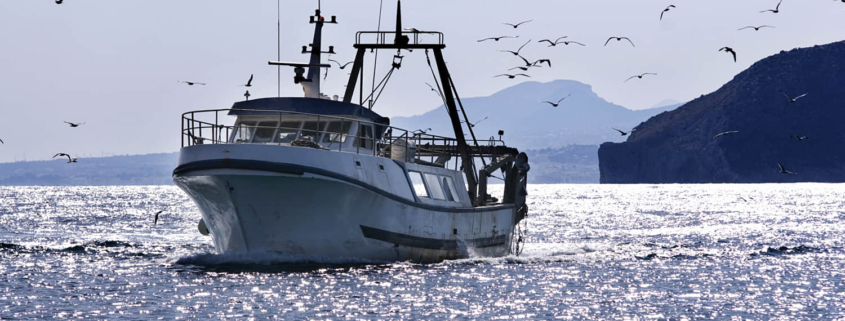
548,102
558,39
525,60
743,28
765,26
661,14
785,95
801,96
608,40
346,64
577,43
782,170
508,24
778,6
733,53
629,40
519,24
249,82
335,61
621,132
632,77
1,141
523,75
502,75
523,46
547,40
564,98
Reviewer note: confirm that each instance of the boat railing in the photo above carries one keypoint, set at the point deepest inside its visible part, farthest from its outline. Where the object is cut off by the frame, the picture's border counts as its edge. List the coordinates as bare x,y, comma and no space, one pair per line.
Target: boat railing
205,127
388,38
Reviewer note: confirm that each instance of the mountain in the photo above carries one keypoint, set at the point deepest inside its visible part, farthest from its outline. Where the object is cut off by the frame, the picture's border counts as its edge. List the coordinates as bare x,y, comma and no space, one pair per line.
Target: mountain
678,146
150,169
584,118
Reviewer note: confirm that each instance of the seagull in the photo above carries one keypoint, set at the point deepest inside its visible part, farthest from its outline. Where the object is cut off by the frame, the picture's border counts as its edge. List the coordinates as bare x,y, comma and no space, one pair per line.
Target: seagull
497,38
434,90
69,159
623,133
640,76
414,30
247,95
792,100
553,43
743,199
800,138
249,82
1,141
729,49
517,25
783,170
191,83
618,39
339,65
568,42
725,133
73,124
755,28
472,125
775,10
541,61
516,53
512,76
665,11
522,68
155,218
558,102
420,131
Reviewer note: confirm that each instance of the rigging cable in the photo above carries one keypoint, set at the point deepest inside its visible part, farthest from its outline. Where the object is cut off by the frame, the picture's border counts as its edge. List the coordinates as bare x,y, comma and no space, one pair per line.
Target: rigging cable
375,59
436,82
383,82
458,98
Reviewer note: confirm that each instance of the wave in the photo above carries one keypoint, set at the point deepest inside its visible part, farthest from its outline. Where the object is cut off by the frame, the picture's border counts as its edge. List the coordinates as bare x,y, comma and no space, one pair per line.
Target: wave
92,246
785,250
263,260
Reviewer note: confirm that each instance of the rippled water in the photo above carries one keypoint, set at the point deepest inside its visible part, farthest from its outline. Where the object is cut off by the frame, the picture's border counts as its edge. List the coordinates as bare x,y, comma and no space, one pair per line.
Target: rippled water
595,252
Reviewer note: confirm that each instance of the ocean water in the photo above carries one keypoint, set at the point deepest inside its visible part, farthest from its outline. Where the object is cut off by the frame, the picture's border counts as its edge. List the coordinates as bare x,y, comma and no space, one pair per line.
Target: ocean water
665,252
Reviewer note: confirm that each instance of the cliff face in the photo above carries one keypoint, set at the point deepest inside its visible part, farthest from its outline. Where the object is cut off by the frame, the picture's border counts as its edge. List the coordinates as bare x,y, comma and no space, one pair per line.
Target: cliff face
678,146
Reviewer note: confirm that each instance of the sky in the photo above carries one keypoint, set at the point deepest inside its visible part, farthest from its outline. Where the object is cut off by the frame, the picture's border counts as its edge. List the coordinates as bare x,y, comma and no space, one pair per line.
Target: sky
115,64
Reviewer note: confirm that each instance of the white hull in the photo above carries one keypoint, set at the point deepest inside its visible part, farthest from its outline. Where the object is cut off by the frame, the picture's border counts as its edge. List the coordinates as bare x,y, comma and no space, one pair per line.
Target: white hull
293,205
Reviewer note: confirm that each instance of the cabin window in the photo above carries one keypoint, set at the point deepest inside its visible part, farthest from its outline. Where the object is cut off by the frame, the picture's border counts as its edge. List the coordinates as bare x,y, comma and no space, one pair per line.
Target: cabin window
244,132
336,132
313,129
288,131
365,137
419,185
434,186
264,132
451,192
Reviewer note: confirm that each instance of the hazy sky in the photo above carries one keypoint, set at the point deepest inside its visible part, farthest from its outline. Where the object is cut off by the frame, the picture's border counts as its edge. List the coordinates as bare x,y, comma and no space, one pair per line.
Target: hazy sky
114,64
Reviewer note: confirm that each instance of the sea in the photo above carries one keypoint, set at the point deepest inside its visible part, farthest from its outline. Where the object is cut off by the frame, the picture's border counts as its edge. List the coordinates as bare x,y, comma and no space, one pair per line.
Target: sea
593,252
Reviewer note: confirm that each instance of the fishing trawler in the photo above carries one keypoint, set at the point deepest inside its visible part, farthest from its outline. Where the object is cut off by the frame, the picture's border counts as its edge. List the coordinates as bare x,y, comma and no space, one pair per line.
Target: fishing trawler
325,177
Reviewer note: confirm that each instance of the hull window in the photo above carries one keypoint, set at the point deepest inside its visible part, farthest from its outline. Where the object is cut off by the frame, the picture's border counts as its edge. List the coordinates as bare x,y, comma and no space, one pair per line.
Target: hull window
419,185
288,131
434,186
265,131
451,192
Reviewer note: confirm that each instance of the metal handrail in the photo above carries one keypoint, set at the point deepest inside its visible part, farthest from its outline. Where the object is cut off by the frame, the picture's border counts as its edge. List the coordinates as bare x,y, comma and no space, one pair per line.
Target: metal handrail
192,128
382,36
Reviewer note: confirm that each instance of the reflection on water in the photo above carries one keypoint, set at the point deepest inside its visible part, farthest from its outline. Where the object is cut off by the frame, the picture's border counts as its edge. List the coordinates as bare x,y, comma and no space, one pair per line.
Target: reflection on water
594,252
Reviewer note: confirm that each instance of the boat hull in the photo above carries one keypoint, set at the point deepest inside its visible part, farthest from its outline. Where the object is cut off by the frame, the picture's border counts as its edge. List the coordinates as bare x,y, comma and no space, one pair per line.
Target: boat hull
302,213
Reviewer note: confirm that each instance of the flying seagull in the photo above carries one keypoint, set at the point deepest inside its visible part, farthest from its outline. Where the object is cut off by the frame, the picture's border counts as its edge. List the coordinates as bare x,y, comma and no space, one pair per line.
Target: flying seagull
1,141
497,38
73,124
792,100
69,159
775,10
517,25
665,11
472,125
618,39
558,102
730,50
623,133
725,133
553,43
191,83
339,65
155,217
541,61
575,42
249,82
783,170
640,76
800,138
516,53
523,68
511,76
755,28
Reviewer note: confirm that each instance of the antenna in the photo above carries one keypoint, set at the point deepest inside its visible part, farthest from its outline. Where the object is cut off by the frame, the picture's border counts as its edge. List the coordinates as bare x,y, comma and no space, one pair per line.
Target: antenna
279,45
